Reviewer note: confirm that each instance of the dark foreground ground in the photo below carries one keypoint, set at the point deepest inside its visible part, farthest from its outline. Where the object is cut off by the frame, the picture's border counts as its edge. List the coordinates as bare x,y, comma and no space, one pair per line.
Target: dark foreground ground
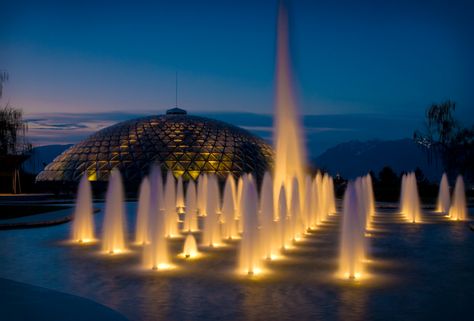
416,272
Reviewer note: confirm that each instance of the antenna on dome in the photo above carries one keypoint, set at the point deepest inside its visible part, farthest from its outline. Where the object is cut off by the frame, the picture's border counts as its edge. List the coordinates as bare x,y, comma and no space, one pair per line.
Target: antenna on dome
176,102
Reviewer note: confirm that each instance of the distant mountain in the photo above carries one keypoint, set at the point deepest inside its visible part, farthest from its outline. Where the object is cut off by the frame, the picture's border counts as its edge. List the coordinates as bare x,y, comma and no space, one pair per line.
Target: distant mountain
355,158
42,156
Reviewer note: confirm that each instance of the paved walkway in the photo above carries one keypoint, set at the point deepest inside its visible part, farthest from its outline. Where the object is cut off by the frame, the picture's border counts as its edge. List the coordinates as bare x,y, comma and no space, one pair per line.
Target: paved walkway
22,302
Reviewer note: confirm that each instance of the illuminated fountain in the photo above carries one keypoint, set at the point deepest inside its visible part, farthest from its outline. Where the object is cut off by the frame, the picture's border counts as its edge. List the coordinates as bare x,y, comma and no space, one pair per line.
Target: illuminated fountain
370,199
269,241
442,206
308,203
141,232
190,249
352,246
458,210
113,239
331,197
410,201
83,224
365,196
289,145
190,218
155,254
238,207
284,225
211,234
180,195
317,198
297,227
229,222
201,194
250,249
171,216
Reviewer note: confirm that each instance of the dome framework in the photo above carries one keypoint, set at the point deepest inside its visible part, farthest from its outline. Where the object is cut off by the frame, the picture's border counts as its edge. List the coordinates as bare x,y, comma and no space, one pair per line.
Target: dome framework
188,145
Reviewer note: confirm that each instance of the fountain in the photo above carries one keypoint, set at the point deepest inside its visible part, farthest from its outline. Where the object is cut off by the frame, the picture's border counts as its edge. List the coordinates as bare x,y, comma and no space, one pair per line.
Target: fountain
284,225
155,254
409,200
289,144
180,195
297,227
442,206
250,249
141,232
171,216
331,197
370,200
240,187
317,200
308,203
359,187
190,218
458,210
365,198
83,224
325,196
229,223
268,227
114,220
211,234
201,194
352,246
190,249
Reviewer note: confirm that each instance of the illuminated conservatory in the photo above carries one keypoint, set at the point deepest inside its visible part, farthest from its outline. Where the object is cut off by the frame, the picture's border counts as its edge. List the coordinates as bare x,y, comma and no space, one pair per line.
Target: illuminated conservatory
188,145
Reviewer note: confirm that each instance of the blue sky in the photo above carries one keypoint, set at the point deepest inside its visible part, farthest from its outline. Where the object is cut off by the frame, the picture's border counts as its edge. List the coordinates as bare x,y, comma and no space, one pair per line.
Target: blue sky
390,59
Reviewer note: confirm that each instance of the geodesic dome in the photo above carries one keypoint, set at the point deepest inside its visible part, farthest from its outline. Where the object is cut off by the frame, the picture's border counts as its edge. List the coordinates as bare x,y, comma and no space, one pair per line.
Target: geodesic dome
188,145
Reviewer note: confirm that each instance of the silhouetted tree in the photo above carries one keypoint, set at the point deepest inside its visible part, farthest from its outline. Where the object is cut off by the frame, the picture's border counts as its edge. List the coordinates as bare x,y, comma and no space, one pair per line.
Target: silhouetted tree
13,144
446,138
387,186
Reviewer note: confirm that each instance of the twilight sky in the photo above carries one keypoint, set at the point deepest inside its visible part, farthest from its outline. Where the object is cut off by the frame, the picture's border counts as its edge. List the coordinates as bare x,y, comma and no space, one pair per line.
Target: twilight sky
389,58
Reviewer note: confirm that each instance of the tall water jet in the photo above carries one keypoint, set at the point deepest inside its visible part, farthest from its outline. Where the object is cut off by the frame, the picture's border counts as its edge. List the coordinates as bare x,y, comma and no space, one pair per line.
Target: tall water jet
229,222
368,193
142,228
284,225
268,227
317,200
171,216
325,197
308,203
155,254
190,218
352,246
202,194
360,191
331,196
410,201
297,227
290,154
238,209
458,210
83,224
442,206
190,249
250,249
180,195
114,220
211,234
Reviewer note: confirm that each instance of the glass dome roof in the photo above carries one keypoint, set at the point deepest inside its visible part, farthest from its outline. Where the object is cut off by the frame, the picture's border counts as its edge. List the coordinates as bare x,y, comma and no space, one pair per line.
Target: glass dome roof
188,145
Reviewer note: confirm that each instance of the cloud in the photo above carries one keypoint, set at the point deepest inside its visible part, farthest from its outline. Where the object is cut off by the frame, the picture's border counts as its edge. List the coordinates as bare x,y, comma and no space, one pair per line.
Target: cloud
321,131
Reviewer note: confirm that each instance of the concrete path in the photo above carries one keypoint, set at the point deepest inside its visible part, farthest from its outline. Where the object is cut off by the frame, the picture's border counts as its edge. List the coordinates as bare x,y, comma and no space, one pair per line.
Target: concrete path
24,302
